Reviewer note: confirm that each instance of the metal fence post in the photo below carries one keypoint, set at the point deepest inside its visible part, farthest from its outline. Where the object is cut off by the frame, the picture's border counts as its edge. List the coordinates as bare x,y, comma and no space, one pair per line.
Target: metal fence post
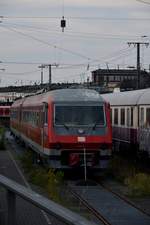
11,203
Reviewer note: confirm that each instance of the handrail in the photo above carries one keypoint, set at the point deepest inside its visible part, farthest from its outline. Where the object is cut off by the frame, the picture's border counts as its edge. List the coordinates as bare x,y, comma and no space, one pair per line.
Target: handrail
61,213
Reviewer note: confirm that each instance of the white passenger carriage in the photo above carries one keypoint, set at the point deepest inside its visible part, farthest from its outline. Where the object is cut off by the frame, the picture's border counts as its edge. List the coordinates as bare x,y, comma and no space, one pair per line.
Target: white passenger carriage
130,114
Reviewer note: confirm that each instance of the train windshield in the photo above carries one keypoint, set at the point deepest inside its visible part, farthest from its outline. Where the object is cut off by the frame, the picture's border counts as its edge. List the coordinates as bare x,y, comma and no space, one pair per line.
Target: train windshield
79,115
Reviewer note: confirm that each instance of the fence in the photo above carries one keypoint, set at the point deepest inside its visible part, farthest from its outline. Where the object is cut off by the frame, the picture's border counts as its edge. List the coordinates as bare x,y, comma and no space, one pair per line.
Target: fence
14,189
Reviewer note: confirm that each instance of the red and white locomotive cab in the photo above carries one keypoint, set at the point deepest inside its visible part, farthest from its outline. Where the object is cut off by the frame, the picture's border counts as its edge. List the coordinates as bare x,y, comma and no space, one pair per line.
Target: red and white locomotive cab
64,124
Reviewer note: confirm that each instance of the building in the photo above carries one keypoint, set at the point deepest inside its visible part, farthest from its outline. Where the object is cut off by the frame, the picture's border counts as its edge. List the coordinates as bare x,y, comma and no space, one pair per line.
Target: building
122,78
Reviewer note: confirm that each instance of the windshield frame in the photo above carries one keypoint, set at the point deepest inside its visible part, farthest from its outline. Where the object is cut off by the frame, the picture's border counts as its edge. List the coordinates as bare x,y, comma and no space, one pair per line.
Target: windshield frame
98,104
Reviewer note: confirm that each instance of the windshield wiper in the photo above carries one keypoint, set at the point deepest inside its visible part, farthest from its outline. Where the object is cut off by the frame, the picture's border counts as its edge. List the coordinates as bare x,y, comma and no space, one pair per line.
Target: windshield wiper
61,123
94,126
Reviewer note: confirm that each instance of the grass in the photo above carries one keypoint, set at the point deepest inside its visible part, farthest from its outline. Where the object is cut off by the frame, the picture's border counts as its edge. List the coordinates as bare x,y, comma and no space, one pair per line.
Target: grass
49,180
130,173
138,185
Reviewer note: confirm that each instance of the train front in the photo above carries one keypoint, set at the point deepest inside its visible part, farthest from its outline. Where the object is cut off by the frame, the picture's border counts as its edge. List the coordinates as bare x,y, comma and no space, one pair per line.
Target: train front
80,129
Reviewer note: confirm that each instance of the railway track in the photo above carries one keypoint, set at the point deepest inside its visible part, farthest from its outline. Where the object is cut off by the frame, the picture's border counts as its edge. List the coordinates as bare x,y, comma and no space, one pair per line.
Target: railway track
109,207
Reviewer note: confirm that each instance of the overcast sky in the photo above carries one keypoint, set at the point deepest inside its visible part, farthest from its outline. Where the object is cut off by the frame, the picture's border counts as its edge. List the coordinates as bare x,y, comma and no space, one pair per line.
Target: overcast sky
96,36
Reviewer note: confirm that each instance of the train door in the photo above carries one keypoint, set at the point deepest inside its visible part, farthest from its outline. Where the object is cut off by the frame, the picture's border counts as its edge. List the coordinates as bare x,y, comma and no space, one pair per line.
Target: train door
144,130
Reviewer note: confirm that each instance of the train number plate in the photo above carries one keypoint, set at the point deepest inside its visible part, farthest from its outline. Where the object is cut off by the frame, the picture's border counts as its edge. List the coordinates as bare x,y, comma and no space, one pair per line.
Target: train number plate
81,139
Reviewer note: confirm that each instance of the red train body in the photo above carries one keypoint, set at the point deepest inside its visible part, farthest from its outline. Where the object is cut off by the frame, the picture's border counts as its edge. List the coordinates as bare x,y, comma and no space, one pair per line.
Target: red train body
4,115
64,124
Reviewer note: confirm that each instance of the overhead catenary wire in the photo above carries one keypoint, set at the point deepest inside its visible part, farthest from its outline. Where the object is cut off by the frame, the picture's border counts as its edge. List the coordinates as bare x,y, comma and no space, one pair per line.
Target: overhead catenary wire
110,57
77,18
144,1
77,34
47,43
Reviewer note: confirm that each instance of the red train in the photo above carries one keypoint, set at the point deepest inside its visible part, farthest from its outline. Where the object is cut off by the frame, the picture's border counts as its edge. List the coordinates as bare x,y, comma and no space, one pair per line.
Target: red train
4,115
63,126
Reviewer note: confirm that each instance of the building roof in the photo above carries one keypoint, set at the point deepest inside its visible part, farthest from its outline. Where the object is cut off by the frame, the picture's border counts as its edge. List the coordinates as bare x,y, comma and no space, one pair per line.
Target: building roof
118,72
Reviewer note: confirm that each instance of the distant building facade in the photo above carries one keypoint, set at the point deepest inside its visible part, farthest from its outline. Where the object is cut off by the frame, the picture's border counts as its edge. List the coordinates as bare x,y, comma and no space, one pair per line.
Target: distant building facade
123,79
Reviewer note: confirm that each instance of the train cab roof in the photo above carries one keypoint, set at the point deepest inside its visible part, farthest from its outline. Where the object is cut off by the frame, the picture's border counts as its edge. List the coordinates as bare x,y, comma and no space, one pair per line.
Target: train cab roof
61,95
128,98
75,95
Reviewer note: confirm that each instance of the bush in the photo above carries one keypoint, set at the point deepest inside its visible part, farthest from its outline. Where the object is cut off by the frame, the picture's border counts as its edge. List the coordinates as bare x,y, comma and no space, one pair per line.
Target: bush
139,185
55,182
121,168
39,177
49,179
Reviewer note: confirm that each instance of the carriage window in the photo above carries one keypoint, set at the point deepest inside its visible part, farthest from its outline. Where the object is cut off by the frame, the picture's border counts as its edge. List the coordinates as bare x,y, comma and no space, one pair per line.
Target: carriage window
148,117
122,113
116,116
131,117
46,116
128,117
111,115
142,117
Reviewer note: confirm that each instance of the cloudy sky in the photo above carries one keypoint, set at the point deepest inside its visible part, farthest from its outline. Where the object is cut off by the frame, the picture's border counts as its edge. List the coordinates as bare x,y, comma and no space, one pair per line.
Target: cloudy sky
96,36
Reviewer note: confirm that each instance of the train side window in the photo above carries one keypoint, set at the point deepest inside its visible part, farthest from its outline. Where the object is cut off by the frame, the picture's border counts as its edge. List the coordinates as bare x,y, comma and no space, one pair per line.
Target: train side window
111,115
1,112
122,113
131,116
116,116
142,117
45,108
46,115
128,117
148,117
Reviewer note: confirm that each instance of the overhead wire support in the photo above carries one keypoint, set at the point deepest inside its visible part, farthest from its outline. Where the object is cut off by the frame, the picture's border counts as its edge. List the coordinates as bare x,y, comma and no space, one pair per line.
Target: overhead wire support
49,66
138,44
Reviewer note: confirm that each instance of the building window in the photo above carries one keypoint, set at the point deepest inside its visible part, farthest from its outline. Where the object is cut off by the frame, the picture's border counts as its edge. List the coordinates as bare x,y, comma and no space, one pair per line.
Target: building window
116,116
122,114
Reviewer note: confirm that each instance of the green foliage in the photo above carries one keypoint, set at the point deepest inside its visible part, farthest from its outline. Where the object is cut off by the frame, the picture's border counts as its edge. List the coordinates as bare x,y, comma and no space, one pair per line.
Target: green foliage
48,179
121,168
55,182
139,185
129,173
39,176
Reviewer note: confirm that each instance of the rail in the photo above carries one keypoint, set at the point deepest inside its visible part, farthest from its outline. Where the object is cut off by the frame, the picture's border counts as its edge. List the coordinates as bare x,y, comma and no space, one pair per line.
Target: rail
52,208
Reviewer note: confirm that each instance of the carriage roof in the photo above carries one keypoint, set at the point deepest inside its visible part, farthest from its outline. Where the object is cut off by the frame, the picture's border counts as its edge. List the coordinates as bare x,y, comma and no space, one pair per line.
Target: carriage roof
137,97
